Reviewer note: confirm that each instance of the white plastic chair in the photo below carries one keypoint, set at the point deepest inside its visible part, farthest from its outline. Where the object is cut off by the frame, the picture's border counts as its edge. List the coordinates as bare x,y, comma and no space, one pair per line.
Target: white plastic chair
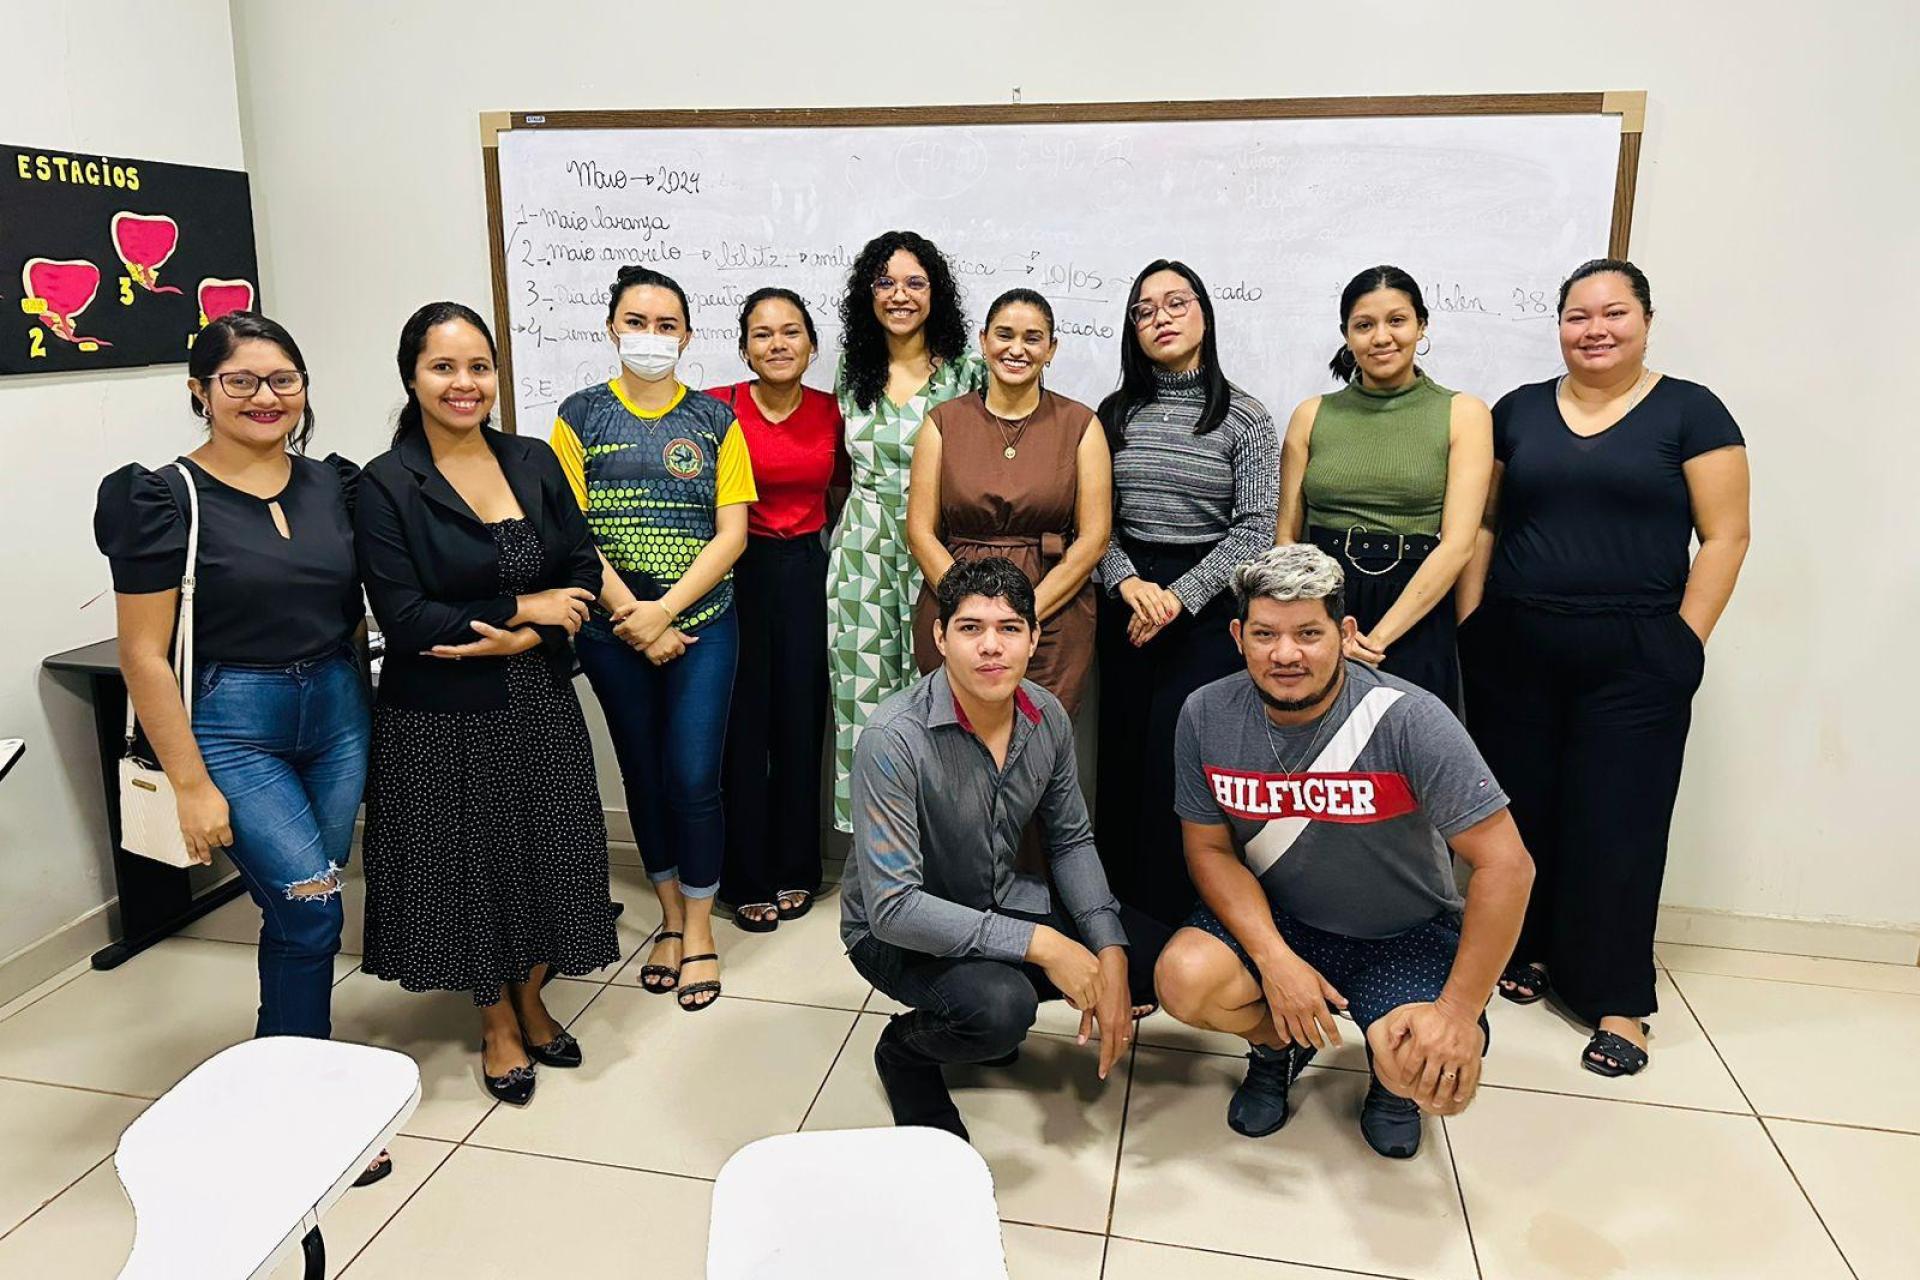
853,1204
230,1171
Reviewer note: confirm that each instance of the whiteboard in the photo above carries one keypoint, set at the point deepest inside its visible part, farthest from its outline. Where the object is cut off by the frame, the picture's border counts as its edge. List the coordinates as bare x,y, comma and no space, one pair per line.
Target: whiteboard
1488,212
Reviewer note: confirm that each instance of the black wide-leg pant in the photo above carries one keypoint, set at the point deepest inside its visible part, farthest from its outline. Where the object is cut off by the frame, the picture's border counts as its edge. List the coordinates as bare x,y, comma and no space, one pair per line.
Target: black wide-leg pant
777,726
1583,719
1141,693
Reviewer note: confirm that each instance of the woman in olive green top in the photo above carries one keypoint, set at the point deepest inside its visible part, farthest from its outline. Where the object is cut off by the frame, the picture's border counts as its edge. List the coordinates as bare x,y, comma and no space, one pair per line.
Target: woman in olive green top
1389,476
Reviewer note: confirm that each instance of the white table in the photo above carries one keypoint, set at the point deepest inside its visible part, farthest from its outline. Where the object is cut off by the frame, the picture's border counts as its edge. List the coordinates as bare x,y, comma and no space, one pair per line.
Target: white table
230,1171
853,1204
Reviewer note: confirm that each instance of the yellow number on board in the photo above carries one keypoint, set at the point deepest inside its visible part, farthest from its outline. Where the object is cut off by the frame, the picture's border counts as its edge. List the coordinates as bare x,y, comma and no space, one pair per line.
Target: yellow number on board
37,343
126,291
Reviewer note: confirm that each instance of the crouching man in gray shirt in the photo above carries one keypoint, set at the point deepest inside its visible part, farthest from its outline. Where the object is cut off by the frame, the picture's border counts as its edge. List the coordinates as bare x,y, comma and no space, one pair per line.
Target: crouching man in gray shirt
941,908
1318,800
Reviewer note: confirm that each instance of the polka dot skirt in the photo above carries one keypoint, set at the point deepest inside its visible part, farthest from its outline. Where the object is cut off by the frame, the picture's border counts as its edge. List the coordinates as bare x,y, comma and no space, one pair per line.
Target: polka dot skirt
486,850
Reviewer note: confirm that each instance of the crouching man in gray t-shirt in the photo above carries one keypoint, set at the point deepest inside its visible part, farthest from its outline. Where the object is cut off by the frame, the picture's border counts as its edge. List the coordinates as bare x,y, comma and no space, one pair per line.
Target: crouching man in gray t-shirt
1318,798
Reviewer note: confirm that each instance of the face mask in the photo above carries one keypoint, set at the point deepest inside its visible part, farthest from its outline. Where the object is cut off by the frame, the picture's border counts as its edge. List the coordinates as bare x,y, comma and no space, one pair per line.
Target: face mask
650,355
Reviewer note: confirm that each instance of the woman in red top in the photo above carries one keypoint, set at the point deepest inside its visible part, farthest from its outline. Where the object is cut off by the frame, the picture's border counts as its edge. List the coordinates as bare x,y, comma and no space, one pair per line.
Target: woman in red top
778,721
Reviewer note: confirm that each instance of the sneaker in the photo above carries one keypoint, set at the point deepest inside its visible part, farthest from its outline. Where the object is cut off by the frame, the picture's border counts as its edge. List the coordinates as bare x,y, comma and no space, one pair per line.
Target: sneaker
1390,1123
916,1089
1259,1105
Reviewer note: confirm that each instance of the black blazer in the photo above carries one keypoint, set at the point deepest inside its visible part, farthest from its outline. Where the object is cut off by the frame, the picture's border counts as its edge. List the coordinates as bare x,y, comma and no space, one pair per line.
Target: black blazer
431,569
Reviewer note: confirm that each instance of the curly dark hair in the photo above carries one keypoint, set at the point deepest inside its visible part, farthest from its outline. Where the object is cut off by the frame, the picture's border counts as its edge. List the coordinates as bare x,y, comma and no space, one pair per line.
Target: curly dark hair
863,338
993,577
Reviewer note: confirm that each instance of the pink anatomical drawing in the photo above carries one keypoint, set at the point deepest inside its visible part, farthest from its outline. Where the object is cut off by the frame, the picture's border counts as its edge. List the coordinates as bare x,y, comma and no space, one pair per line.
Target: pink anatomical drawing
57,292
144,242
219,297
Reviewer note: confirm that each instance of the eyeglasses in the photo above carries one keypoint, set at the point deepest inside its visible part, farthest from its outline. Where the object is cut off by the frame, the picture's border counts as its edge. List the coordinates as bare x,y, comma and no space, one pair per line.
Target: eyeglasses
884,285
242,386
1175,305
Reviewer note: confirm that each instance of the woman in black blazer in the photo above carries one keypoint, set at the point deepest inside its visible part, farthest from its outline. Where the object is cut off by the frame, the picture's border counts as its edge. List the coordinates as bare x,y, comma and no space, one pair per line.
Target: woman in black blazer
486,851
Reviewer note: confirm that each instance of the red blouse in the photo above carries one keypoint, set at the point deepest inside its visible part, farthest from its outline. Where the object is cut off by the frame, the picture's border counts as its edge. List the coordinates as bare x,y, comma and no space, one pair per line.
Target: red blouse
795,460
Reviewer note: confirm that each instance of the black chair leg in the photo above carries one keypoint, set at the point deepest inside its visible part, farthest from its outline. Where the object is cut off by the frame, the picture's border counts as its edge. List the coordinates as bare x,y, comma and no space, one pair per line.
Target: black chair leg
316,1250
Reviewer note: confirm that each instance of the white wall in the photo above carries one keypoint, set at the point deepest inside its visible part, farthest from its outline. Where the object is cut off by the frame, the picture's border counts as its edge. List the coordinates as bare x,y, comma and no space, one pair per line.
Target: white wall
113,77
1775,216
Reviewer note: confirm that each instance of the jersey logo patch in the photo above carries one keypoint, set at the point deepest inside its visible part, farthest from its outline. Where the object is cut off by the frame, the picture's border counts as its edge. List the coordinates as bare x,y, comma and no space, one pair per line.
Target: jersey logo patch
1315,797
683,458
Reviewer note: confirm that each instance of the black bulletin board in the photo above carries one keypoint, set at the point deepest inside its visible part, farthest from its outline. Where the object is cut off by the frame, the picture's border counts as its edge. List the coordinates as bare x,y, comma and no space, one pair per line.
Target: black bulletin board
108,263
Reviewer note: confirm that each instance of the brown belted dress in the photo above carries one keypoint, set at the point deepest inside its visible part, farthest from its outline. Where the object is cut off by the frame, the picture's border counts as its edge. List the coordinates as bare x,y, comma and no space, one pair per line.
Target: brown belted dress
1022,508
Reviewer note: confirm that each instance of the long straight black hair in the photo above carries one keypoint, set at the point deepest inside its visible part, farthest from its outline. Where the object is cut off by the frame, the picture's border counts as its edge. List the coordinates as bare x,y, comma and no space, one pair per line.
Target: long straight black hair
1137,386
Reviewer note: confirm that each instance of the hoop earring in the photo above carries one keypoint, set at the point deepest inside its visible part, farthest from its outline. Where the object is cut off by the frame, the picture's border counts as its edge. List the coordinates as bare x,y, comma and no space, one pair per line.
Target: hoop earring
1418,352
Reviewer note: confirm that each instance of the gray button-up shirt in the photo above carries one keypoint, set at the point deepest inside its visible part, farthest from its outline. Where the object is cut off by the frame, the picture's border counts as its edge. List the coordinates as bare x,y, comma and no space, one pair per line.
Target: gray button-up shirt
936,827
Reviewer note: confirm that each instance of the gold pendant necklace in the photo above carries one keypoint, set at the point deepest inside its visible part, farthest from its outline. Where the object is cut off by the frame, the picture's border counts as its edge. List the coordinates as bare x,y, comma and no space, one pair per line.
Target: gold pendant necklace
1010,438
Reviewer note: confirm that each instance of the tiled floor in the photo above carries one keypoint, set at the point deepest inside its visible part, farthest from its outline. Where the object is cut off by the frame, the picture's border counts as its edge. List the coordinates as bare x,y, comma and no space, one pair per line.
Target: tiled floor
1776,1134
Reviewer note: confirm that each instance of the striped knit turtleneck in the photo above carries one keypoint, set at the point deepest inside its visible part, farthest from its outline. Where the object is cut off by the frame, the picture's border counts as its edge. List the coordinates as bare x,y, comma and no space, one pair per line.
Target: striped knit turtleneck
1173,487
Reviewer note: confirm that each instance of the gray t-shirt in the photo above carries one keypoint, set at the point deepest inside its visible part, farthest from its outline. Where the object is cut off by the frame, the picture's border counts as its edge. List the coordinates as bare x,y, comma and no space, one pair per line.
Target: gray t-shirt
1345,820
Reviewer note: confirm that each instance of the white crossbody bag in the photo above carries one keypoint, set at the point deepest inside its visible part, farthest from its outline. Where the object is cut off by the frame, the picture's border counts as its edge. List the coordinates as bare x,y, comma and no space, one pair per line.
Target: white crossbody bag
149,814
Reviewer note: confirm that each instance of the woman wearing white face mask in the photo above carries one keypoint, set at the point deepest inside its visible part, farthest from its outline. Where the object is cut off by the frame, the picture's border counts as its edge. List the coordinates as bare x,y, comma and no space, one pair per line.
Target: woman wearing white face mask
664,478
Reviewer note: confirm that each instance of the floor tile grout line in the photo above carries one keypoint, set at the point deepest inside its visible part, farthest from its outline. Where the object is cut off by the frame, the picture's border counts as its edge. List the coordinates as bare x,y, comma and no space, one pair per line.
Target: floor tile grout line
1460,1189
1120,1146
597,1164
1512,1088
37,999
1798,955
1844,1124
1796,982
1759,1120
1818,1217
402,1206
1260,1257
1711,1044
852,1026
44,1205
82,1088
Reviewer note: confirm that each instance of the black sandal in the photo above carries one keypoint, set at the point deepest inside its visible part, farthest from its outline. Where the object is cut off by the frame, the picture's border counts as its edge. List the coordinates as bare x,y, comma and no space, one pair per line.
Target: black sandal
699,988
757,923
1532,977
1612,1055
661,978
793,913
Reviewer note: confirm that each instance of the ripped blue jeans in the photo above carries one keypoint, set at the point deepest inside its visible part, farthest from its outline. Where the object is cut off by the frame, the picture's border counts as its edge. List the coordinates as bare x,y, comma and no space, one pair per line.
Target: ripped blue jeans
287,747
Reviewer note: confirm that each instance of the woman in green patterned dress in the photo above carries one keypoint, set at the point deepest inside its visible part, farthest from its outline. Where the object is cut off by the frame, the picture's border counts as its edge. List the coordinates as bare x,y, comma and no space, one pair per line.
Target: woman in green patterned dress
905,352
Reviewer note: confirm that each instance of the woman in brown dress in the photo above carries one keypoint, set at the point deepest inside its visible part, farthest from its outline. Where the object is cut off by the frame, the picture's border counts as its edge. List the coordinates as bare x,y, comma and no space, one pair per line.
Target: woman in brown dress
1020,472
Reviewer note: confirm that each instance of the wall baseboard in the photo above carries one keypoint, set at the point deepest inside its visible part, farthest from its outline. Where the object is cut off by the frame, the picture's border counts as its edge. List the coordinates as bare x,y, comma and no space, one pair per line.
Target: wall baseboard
34,963
1836,940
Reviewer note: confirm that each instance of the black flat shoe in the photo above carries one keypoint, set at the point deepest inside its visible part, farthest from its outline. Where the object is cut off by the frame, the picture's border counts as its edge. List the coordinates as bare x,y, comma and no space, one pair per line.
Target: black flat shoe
379,1169
798,908
514,1088
562,1051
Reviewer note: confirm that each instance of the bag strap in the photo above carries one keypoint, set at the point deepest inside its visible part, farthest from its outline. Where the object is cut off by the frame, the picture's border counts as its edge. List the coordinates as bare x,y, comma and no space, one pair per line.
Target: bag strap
183,624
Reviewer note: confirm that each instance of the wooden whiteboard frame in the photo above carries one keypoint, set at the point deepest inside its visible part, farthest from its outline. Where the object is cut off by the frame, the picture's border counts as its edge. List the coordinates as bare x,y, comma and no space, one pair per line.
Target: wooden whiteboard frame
1630,105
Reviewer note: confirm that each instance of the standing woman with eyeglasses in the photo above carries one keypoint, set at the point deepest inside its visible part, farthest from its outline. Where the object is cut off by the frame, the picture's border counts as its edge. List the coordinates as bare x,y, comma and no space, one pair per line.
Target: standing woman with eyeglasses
1389,475
905,354
271,763
1194,476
